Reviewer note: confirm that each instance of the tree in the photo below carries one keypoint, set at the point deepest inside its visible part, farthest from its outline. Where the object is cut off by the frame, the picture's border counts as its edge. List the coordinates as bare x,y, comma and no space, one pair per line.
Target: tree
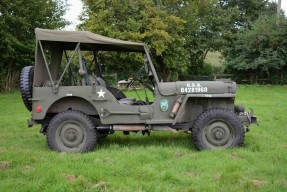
141,21
18,19
258,46
216,24
206,31
180,33
262,49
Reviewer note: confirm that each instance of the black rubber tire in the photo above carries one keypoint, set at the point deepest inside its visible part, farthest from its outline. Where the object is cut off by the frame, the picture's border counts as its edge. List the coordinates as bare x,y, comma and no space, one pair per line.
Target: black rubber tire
71,131
26,85
117,93
218,128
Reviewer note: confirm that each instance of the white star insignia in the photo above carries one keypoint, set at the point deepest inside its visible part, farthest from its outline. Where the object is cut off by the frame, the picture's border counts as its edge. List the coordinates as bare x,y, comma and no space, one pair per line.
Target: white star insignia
101,93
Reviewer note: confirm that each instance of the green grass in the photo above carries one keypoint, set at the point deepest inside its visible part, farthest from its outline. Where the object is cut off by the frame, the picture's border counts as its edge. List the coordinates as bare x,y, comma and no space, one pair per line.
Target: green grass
214,58
161,162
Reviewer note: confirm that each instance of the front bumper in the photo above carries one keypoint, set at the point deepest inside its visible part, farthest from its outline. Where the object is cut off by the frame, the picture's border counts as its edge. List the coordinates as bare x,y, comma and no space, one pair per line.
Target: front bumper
248,118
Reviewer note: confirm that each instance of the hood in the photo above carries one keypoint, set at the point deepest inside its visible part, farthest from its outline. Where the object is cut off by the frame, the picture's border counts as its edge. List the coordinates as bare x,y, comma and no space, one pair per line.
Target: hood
197,87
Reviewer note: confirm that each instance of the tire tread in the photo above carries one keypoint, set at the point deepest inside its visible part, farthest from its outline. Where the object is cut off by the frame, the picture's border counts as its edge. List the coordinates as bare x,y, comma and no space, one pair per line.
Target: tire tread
26,84
92,133
198,126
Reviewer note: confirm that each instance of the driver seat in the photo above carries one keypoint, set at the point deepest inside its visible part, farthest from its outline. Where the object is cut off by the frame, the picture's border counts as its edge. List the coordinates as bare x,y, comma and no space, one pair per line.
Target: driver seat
127,101
100,81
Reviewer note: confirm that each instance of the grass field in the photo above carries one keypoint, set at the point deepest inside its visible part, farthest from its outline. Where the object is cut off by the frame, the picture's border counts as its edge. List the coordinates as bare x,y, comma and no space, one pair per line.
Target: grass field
214,58
161,162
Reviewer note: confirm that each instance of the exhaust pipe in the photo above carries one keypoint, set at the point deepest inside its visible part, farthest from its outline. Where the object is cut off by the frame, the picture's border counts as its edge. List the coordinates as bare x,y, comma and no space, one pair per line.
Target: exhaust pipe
124,127
128,127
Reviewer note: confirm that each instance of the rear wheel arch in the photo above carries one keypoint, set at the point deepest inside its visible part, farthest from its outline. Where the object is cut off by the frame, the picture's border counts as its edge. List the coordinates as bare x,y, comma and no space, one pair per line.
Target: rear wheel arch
73,103
64,104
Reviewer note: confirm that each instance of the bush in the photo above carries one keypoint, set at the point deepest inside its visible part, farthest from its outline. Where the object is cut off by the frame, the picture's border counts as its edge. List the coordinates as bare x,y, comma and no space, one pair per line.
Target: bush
261,50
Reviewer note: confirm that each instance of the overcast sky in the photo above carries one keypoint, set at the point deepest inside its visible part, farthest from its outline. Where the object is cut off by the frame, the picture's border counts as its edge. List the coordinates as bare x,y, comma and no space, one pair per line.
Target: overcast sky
76,7
73,13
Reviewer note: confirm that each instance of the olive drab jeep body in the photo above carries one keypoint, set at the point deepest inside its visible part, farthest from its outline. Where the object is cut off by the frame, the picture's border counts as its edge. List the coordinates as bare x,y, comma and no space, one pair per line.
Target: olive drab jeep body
76,106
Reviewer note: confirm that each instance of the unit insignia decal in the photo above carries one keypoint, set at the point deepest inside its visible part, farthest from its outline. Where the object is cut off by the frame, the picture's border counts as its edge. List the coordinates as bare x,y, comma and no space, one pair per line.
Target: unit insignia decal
164,105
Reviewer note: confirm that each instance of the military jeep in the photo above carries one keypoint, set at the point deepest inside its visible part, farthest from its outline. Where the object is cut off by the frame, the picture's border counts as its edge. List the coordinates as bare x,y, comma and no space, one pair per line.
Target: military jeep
76,106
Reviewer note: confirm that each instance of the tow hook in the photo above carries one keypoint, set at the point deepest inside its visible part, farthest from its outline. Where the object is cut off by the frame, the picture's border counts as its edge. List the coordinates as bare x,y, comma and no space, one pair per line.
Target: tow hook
31,122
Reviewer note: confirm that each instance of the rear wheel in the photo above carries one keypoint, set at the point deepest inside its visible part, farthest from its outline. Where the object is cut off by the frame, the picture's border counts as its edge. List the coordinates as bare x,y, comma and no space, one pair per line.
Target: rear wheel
218,128
71,131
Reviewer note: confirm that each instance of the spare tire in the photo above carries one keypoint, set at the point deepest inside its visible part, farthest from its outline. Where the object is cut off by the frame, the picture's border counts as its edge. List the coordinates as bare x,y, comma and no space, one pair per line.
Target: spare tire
26,85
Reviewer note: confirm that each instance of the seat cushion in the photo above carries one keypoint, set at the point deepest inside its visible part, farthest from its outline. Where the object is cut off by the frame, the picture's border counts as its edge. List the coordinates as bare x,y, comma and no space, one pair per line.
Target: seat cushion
127,101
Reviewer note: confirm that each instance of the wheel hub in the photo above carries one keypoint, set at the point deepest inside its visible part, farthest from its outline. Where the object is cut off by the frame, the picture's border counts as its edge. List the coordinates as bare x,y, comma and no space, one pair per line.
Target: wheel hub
218,135
71,135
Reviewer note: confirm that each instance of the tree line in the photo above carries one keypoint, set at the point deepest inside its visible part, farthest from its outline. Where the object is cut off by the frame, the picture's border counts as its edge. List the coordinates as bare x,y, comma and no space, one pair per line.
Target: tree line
179,34
18,19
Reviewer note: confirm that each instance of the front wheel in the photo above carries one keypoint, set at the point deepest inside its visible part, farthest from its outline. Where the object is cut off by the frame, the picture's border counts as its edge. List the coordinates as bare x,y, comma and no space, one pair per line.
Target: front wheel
71,131
218,128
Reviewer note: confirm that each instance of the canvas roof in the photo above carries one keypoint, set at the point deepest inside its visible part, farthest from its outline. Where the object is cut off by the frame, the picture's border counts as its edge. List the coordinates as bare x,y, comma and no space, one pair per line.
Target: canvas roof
88,40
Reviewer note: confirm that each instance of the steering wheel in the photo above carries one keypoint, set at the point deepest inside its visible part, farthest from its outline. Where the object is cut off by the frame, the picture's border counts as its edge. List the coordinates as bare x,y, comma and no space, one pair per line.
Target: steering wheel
135,77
